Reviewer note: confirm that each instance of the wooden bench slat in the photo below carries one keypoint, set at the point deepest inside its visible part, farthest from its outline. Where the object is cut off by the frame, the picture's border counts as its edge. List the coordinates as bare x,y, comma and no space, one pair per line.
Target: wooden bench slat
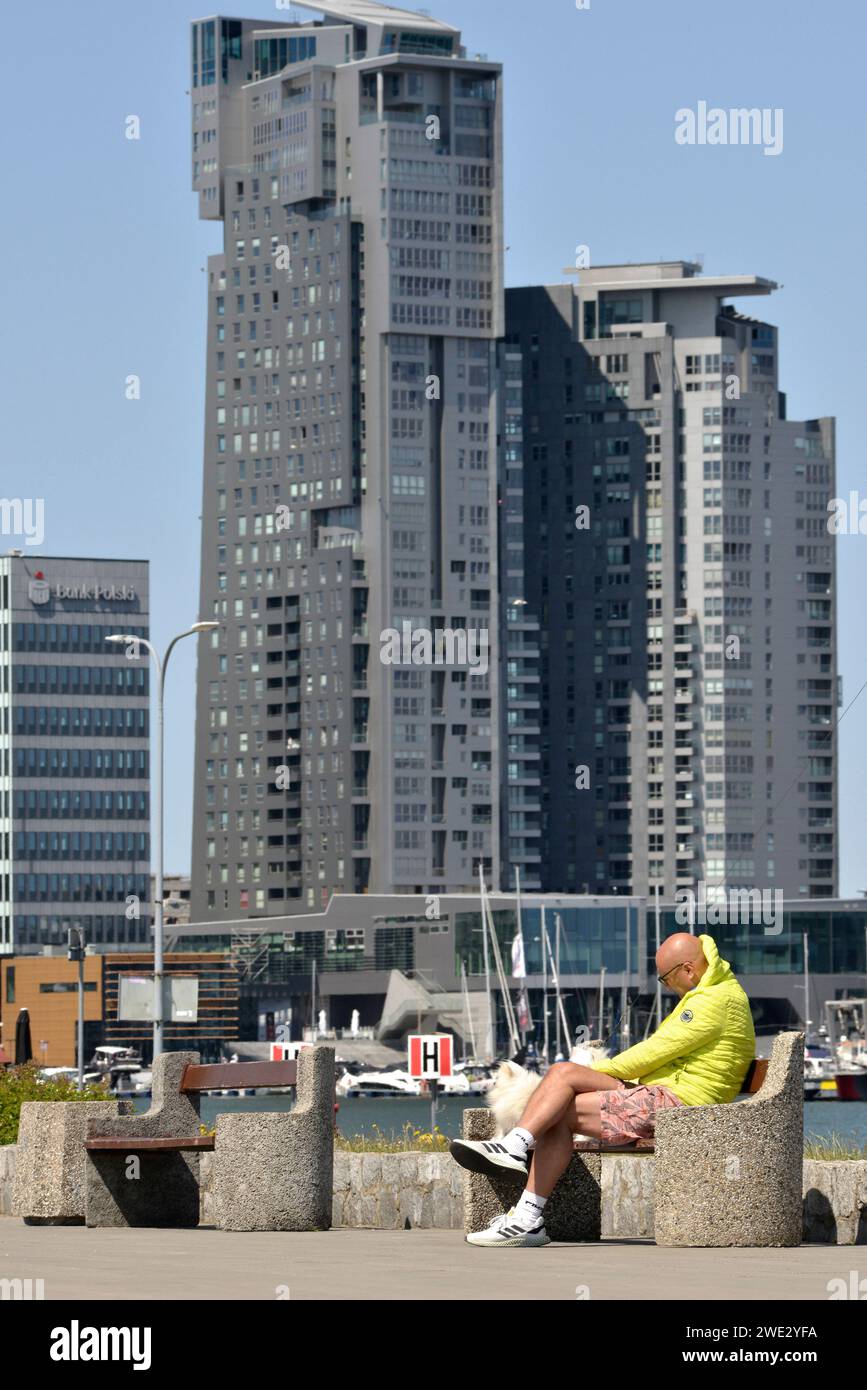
755,1077
235,1076
134,1145
753,1082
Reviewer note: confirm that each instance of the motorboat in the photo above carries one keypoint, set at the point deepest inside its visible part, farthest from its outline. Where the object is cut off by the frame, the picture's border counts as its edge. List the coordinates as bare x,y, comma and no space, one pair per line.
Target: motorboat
847,1024
819,1070
380,1084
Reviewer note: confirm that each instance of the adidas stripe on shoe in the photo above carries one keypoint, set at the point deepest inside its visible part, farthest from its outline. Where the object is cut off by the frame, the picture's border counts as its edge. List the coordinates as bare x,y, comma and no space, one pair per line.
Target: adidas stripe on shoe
510,1234
487,1156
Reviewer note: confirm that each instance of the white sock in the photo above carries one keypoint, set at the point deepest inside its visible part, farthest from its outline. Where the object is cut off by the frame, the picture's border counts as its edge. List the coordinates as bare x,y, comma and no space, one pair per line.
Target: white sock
530,1208
519,1142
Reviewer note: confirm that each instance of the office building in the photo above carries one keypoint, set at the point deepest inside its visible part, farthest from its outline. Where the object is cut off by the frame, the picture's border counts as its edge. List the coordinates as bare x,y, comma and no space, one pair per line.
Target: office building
348,708
75,791
683,578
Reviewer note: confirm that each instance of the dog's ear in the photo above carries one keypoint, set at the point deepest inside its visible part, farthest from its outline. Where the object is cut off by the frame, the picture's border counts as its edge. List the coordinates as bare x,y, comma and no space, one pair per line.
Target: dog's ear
508,1070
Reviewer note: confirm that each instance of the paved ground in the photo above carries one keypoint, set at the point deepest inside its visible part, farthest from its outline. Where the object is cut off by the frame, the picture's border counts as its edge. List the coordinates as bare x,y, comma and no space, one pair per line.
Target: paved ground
347,1264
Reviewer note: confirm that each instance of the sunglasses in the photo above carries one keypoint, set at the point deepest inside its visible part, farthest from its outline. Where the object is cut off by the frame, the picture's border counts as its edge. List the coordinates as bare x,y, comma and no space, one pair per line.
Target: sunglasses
662,978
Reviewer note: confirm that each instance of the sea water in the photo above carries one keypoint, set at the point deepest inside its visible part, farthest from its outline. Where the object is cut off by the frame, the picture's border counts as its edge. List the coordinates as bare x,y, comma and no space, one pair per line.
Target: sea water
822,1118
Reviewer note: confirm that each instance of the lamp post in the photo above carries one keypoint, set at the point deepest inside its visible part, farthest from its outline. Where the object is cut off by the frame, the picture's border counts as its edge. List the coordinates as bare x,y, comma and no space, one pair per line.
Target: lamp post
137,642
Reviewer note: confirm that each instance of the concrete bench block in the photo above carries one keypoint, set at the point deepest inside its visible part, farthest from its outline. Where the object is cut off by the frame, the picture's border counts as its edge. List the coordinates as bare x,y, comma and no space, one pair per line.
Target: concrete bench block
835,1201
156,1189
273,1171
50,1169
731,1175
573,1211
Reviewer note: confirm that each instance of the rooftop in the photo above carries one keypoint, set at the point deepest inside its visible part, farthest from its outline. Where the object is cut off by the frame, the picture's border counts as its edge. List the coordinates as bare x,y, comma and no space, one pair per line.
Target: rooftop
367,12
668,275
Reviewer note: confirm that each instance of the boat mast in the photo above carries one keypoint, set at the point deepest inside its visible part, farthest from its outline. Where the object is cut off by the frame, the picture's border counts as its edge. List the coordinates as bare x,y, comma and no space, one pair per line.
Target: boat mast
489,1034
807,1019
658,981
544,989
467,1013
501,976
557,924
521,935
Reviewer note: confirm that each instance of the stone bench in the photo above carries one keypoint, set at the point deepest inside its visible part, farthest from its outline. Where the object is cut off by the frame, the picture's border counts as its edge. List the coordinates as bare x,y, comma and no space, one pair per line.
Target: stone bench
733,1174
49,1185
274,1170
270,1168
724,1174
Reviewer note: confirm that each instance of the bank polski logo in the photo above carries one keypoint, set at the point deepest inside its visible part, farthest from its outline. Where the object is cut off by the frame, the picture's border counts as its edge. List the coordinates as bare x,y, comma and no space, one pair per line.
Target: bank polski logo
39,590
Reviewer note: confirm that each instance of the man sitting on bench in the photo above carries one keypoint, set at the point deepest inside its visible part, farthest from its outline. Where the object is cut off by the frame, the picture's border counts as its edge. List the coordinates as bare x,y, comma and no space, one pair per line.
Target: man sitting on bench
699,1055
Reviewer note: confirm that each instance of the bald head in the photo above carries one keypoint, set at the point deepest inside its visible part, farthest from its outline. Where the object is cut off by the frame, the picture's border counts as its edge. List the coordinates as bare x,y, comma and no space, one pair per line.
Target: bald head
682,961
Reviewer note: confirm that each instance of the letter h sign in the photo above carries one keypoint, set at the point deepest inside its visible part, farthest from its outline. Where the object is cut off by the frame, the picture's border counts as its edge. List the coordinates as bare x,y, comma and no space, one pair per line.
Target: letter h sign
430,1055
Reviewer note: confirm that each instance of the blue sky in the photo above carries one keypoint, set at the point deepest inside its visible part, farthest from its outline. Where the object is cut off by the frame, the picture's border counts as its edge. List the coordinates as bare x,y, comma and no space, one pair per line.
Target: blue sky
104,254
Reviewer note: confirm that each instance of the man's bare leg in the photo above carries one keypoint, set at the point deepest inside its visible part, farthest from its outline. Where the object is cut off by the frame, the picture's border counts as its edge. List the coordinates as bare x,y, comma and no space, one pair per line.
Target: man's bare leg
554,1149
557,1092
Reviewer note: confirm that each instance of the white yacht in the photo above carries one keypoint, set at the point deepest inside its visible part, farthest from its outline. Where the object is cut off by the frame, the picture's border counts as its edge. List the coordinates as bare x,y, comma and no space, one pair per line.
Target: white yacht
379,1084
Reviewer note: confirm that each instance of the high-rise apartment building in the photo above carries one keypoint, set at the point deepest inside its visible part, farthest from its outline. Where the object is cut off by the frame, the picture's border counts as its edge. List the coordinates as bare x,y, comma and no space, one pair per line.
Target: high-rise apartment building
684,581
74,737
348,706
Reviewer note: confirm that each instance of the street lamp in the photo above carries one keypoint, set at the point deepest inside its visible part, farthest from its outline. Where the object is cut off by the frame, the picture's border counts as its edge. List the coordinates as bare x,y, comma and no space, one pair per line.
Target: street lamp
158,906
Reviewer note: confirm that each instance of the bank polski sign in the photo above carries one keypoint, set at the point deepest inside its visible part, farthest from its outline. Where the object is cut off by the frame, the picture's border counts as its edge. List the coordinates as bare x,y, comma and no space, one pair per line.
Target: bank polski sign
39,590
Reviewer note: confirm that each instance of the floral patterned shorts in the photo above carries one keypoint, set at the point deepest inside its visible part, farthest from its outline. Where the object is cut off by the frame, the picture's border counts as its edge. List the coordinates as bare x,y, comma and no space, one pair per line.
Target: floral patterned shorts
629,1113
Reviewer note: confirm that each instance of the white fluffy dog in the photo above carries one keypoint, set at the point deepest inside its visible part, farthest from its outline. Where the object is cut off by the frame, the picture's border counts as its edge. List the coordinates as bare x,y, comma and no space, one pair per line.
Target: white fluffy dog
514,1086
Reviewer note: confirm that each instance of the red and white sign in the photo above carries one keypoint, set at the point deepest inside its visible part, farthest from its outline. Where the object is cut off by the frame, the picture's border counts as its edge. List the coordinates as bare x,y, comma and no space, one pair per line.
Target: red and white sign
286,1052
430,1055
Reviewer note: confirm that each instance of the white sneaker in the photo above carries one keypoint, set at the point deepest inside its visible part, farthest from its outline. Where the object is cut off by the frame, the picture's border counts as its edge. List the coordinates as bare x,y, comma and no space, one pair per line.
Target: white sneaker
509,1233
487,1156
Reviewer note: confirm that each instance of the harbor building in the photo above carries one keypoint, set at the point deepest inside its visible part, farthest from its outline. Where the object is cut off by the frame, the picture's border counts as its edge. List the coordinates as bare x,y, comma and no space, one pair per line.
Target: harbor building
408,964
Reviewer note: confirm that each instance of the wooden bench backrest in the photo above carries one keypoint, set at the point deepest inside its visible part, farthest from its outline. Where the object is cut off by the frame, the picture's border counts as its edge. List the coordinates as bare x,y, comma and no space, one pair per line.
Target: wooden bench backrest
233,1076
755,1077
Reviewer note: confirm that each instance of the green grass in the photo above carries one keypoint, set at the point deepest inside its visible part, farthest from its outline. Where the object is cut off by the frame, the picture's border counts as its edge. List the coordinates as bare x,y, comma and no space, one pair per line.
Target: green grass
832,1148
409,1140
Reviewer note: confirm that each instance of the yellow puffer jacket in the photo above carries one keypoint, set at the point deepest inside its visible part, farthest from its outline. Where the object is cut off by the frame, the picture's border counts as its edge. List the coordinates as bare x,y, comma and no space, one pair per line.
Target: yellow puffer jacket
702,1050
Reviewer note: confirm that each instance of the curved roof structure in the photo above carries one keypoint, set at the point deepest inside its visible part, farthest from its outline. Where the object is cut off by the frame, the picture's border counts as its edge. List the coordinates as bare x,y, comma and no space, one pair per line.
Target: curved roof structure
382,16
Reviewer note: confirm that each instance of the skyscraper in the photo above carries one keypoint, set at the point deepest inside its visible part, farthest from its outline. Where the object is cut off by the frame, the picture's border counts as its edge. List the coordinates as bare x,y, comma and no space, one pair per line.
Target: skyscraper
75,801
348,707
685,585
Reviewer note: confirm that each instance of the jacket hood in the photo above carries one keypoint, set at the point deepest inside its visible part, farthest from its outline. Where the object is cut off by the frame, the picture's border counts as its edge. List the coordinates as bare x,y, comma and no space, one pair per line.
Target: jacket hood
717,968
